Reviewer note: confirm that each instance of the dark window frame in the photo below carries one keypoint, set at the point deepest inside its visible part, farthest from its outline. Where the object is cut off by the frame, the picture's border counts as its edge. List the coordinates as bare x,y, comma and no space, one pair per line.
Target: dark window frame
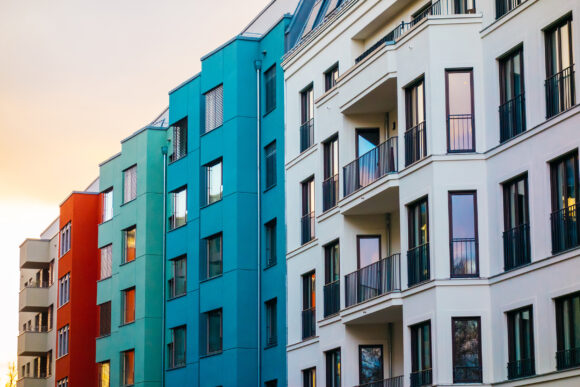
270,152
329,77
454,349
360,348
271,308
330,356
511,343
414,330
411,103
472,92
179,148
271,232
366,236
218,311
308,373
206,241
473,194
270,89
412,243
566,19
172,280
561,332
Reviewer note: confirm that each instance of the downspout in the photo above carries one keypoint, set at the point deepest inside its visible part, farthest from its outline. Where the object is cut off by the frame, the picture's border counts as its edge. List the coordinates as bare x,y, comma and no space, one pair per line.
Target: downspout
390,344
164,263
258,67
388,224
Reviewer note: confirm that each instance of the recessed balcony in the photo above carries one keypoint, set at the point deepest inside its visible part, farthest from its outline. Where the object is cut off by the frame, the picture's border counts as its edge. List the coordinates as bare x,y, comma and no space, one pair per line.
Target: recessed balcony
34,298
34,254
33,343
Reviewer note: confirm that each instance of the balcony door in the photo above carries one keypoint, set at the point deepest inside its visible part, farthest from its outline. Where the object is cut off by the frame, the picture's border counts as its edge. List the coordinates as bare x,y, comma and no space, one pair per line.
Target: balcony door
460,126
368,162
463,243
330,183
516,237
512,111
565,230
369,249
560,93
308,210
415,135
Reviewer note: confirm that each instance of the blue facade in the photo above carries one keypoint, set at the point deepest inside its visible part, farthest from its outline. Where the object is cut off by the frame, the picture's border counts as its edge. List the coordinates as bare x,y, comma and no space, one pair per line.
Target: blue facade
235,216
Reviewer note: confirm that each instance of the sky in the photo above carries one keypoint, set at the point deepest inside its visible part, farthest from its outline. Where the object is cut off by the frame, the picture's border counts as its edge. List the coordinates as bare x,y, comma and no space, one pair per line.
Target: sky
76,77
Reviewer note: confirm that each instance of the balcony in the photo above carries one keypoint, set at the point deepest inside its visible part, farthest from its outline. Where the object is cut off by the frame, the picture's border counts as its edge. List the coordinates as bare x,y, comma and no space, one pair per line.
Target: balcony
307,226
422,378
464,254
569,358
308,323
512,118
397,381
374,280
521,368
32,382
565,229
460,133
516,247
415,143
330,193
467,374
418,269
560,93
371,166
34,298
331,298
35,254
306,135
33,343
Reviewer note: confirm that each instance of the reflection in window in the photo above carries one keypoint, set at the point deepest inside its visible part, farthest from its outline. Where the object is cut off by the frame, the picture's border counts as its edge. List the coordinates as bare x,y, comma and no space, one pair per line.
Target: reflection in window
460,133
466,350
370,363
214,182
463,244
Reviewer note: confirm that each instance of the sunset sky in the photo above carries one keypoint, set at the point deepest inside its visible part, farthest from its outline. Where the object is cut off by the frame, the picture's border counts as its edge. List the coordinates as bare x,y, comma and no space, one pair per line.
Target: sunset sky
76,77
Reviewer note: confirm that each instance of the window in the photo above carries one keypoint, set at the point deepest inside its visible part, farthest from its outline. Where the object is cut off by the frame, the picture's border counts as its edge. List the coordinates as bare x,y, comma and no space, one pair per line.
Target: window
309,377
368,249
214,182
306,116
178,282
105,319
463,6
333,368
104,370
107,205
128,315
63,334
504,6
460,124
214,108
129,240
62,383
568,331
512,111
521,343
416,133
370,363
307,210
330,183
128,367
565,228
560,95
106,261
271,383
271,235
176,347
214,331
421,374
65,239
64,289
178,203
331,279
271,322
129,184
330,77
463,234
466,350
418,253
214,256
516,237
270,84
308,305
270,154
179,139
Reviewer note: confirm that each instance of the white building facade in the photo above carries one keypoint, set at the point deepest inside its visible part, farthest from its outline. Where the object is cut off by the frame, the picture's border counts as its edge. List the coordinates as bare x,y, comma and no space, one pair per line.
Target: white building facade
431,155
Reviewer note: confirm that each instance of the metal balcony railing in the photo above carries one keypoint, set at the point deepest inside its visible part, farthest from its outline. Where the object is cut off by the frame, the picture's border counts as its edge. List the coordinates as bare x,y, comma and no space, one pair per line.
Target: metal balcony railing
397,381
560,93
37,284
418,264
371,281
568,358
460,133
565,229
422,378
464,257
37,329
521,368
308,323
467,374
516,246
504,6
371,166
415,143
306,135
331,298
330,192
512,118
307,223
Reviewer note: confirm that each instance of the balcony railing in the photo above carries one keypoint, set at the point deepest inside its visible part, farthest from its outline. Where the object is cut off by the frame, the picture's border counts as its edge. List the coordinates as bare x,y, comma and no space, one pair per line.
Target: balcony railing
422,378
37,284
568,358
516,246
308,323
512,118
37,329
415,143
504,6
376,163
460,133
397,381
521,368
418,264
306,135
331,298
464,257
307,227
467,374
330,192
560,93
565,230
371,281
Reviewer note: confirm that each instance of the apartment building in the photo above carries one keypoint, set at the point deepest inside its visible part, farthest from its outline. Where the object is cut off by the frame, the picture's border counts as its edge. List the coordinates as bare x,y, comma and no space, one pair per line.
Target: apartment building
130,241
37,305
431,160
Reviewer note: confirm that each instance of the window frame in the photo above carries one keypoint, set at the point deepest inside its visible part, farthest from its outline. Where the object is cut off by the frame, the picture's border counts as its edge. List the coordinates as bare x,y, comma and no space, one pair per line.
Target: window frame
124,374
107,197
553,173
63,335
332,365
411,222
412,103
414,330
270,163
64,290
172,281
132,195
125,257
124,310
508,202
107,331
473,194
219,312
454,349
271,232
108,248
271,307
309,373
65,239
503,61
172,220
219,119
561,329
179,148
270,89
511,325
468,70
172,347
331,76
207,171
207,240
556,27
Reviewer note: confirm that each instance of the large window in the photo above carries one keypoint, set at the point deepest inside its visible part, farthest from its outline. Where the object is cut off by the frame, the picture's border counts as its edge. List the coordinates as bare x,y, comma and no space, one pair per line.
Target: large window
271,322
368,249
128,368
129,244
308,305
565,227
129,184
421,365
307,221
560,94
61,383
214,182
65,239
64,289
516,237
179,139
214,108
106,261
176,348
568,331
309,377
466,350
105,319
331,279
270,86
128,311
512,111
521,343
463,244
214,256
460,123
306,117
416,133
370,363
214,331
270,156
330,183
63,337
104,370
333,370
107,205
418,253
330,77
178,203
271,235
178,282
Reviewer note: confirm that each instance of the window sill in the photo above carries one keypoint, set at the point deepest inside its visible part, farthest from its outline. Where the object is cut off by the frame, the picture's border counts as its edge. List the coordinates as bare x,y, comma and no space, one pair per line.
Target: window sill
62,356
177,228
128,262
176,297
269,111
103,337
173,161
176,367
269,188
130,201
212,203
211,278
105,221
104,279
270,266
211,354
60,306
271,345
210,130
126,324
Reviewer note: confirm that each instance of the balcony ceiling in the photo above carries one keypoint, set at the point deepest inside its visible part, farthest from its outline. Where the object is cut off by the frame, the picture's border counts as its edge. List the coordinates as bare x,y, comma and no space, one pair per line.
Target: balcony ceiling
395,7
381,200
378,315
380,99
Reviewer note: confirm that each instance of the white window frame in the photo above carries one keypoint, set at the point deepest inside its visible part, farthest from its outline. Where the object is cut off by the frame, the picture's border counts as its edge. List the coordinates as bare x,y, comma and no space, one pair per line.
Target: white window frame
65,239
63,341
107,205
64,289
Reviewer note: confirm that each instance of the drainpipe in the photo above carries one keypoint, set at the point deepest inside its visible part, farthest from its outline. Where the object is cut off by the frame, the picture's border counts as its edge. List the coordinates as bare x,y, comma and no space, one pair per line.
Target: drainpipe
258,67
388,224
390,345
164,263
